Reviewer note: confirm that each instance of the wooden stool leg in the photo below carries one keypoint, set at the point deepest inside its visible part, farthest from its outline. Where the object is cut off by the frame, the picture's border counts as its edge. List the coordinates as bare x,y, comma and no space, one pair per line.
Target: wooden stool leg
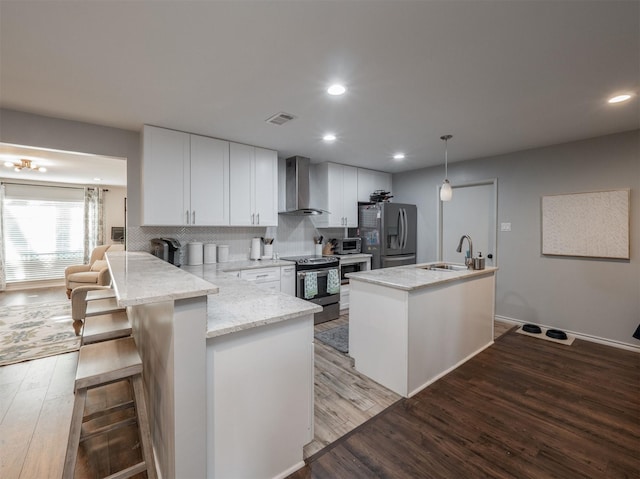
74,434
143,425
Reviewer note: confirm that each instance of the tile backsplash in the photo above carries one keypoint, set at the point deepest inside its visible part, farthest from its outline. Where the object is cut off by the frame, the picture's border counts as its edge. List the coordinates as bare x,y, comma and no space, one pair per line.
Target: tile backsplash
293,236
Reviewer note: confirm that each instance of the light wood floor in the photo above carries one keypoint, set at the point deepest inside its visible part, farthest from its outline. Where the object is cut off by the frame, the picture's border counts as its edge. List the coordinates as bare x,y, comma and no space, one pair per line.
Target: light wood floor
36,399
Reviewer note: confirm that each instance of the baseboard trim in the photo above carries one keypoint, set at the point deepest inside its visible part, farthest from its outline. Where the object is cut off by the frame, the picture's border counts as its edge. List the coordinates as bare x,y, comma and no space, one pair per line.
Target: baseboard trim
586,337
47,283
290,470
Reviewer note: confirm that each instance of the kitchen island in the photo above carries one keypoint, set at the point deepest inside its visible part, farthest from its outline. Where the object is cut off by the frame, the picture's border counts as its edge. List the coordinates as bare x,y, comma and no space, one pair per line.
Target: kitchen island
228,368
409,325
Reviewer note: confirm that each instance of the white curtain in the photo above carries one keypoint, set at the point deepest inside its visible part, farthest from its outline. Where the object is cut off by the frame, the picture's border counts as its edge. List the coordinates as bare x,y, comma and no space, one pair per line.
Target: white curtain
3,275
93,220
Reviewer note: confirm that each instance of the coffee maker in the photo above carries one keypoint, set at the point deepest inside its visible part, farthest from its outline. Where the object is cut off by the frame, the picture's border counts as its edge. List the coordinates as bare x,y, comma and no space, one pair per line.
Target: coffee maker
167,249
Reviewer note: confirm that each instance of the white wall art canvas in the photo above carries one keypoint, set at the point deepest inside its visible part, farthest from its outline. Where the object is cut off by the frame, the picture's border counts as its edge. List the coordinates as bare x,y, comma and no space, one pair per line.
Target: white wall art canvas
594,224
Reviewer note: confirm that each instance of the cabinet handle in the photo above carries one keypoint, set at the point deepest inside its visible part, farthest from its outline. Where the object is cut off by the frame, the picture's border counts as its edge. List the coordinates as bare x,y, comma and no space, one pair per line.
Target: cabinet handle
253,218
258,220
187,214
193,215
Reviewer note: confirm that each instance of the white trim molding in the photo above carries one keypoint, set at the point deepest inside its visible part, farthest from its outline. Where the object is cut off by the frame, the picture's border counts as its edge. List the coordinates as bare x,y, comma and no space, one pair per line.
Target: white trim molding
586,337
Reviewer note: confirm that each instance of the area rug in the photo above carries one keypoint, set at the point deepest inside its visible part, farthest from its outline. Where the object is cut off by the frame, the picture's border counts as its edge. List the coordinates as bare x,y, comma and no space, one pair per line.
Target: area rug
337,338
36,331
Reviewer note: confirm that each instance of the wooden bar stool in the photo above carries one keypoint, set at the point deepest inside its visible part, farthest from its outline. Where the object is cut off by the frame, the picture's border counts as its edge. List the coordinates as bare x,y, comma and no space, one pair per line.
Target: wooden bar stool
102,306
100,364
100,294
105,327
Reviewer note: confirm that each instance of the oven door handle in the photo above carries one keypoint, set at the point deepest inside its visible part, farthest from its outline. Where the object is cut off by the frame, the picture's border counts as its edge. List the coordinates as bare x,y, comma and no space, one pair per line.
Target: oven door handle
302,274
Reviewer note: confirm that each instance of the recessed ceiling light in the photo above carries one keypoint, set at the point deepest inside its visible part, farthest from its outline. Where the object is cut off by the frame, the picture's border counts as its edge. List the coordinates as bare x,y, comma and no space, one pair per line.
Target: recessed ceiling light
329,137
97,179
619,98
398,156
336,89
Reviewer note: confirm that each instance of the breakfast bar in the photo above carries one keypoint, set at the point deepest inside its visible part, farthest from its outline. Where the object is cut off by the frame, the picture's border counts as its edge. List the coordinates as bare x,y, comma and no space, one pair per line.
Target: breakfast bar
411,325
227,367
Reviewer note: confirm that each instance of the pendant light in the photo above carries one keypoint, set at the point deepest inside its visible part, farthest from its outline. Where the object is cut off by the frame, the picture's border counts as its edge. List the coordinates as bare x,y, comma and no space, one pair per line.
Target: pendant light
445,189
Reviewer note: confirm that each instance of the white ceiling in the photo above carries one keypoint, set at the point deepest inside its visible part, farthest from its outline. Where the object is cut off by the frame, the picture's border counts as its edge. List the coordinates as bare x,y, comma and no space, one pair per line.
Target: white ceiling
500,76
63,166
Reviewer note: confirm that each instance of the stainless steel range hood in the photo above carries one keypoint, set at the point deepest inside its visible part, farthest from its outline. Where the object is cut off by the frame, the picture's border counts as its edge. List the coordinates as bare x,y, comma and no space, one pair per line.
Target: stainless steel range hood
297,188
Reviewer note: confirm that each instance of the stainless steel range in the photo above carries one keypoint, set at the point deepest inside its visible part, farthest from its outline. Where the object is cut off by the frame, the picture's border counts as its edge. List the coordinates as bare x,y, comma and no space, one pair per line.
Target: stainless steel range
318,281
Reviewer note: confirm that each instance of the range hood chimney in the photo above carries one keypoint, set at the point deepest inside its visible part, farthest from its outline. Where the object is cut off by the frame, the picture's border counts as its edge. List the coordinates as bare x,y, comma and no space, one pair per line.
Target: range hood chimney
297,188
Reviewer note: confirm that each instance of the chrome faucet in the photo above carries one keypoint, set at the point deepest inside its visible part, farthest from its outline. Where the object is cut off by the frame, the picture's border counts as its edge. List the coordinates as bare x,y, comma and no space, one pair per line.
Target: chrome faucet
467,260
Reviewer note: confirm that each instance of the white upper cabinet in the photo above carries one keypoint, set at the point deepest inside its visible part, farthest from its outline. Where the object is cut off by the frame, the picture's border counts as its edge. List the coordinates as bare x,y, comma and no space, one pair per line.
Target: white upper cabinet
165,177
253,190
266,187
370,181
209,181
185,179
334,188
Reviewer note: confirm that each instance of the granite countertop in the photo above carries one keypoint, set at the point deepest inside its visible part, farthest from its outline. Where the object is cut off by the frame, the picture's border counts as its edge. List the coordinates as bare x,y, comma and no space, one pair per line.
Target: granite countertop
413,277
242,305
141,278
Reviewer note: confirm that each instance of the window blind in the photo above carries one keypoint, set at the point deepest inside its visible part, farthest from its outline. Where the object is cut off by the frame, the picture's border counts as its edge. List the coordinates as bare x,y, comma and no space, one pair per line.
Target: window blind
43,231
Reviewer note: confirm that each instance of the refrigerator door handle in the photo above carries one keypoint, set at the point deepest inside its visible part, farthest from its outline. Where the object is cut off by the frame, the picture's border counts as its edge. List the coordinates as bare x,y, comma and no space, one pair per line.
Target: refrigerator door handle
404,228
399,226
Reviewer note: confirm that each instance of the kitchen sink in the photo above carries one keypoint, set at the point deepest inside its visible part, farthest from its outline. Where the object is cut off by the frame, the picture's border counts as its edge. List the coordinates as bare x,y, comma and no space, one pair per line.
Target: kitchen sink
445,267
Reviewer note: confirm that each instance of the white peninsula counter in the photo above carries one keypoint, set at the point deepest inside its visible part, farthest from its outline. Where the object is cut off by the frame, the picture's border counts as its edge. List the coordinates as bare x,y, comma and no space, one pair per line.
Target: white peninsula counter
228,368
409,325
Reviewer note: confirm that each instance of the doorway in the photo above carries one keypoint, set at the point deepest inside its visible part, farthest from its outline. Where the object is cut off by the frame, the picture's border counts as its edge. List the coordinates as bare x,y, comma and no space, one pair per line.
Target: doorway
473,211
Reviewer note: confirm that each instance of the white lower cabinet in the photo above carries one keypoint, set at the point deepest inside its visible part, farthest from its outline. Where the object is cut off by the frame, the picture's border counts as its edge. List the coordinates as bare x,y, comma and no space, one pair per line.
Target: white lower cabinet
281,278
344,297
266,278
288,280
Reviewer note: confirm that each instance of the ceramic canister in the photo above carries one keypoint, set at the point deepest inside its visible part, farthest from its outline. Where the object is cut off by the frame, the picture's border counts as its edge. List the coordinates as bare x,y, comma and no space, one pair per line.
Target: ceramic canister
223,253
210,250
194,253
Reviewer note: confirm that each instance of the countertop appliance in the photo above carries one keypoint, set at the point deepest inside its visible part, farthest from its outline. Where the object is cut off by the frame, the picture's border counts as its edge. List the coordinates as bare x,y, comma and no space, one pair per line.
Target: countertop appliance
388,233
167,249
347,246
326,297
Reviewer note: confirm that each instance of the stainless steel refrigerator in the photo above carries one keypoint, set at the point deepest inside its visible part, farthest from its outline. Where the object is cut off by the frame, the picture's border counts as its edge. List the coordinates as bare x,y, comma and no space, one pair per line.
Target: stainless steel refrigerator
388,232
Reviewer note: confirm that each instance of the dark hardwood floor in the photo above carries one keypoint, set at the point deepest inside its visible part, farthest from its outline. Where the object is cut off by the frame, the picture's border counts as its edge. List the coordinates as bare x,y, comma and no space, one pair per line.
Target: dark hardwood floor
524,408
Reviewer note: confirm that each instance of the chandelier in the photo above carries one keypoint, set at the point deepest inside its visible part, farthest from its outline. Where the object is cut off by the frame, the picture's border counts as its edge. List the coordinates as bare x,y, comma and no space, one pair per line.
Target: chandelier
25,165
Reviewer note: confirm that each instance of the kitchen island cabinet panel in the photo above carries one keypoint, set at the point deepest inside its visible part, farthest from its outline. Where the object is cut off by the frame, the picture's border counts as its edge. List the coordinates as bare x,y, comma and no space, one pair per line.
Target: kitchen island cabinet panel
409,326
260,394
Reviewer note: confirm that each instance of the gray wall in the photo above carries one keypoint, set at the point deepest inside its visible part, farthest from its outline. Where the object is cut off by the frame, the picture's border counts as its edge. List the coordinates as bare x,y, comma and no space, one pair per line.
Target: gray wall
45,132
593,297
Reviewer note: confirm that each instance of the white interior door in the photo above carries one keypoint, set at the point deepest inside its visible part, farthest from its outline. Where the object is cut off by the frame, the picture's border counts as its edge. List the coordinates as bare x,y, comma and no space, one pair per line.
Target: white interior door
472,211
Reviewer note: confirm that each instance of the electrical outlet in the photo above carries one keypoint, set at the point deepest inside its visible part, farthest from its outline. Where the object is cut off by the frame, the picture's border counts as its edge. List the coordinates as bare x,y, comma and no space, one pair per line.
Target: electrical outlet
505,226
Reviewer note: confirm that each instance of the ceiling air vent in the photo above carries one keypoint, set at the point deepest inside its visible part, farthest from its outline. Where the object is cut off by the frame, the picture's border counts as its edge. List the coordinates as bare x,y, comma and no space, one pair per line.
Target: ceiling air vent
280,118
